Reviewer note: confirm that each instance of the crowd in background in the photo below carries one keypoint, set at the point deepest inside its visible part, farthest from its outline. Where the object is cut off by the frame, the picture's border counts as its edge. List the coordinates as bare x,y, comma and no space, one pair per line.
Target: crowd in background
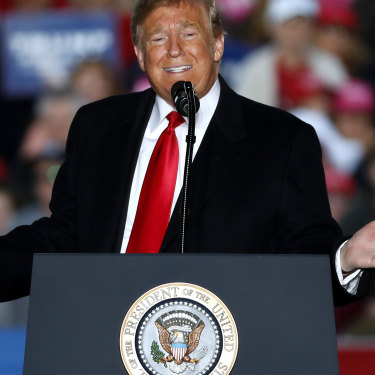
314,58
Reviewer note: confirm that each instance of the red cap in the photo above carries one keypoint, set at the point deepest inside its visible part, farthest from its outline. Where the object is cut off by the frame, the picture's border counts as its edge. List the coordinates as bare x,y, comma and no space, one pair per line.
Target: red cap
306,85
337,13
236,11
354,95
338,182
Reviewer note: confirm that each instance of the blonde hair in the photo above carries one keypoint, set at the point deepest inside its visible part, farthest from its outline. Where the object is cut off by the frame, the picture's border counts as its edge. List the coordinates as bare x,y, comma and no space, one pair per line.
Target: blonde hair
143,8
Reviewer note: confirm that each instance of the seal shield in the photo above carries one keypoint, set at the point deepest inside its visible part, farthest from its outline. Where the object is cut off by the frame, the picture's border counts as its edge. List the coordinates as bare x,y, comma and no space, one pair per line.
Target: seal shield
178,328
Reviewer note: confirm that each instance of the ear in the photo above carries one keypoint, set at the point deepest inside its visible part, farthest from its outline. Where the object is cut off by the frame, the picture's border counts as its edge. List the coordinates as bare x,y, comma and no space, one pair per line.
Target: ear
219,48
140,57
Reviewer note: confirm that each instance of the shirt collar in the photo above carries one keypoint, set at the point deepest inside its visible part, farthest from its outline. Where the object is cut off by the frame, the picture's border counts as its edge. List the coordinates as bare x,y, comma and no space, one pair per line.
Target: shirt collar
207,108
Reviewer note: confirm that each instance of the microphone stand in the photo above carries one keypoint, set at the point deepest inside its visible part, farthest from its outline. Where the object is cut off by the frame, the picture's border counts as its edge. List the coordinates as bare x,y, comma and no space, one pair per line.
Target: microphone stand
190,140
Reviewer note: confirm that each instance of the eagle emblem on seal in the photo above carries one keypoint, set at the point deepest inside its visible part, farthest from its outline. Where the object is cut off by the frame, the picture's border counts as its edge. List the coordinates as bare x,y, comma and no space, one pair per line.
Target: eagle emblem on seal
179,334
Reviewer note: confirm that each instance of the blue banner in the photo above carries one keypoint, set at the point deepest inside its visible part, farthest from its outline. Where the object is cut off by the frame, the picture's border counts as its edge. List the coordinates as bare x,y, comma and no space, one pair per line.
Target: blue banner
40,50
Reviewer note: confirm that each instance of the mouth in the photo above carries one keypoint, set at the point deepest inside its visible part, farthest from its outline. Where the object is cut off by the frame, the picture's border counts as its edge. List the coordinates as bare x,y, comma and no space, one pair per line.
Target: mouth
178,69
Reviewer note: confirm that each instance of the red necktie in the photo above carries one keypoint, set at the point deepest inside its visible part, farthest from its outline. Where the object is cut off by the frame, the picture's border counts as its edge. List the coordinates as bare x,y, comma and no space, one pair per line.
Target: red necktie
155,202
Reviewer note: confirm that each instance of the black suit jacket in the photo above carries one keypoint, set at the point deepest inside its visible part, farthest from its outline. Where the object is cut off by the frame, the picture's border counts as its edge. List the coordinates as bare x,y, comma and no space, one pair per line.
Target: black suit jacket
257,185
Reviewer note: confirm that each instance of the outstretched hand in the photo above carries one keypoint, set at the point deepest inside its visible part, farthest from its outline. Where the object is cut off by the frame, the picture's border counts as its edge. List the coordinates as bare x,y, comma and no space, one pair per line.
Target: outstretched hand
359,251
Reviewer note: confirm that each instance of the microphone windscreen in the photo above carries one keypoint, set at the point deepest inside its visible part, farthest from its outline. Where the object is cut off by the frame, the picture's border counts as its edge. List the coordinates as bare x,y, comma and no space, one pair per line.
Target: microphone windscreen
180,97
177,88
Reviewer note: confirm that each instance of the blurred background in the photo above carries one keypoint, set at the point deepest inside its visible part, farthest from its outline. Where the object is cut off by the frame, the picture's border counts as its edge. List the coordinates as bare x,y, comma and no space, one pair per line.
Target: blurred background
314,58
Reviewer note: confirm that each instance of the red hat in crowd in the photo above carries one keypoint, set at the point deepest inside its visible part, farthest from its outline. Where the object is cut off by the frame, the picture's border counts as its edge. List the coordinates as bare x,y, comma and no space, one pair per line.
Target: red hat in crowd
304,86
236,11
336,12
309,85
354,95
338,182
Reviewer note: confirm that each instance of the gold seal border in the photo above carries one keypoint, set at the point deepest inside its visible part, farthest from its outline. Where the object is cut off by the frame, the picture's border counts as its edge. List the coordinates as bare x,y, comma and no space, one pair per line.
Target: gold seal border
224,371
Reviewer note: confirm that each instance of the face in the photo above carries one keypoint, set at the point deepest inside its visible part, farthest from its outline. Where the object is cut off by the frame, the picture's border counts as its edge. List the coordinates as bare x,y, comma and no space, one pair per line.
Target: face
294,33
93,83
177,44
58,117
337,40
354,124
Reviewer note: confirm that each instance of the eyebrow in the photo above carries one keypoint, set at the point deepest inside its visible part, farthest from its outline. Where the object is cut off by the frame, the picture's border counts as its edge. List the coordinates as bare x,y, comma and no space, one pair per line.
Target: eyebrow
184,24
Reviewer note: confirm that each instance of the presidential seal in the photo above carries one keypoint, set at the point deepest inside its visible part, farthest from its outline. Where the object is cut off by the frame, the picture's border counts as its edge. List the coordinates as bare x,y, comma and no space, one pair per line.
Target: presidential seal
178,328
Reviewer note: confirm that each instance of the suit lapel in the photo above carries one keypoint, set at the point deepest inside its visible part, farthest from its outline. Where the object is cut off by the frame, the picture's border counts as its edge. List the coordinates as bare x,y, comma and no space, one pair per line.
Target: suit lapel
119,153
217,155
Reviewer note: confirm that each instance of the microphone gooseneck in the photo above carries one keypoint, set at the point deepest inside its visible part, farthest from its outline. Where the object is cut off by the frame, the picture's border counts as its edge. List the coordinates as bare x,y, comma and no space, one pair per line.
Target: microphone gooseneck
187,104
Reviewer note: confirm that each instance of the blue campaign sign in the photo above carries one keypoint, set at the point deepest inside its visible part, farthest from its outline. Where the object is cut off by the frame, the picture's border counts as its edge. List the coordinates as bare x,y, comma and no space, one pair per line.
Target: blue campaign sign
40,50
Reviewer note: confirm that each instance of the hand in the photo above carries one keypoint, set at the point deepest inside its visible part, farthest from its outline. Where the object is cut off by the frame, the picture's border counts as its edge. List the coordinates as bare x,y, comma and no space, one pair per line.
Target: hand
359,251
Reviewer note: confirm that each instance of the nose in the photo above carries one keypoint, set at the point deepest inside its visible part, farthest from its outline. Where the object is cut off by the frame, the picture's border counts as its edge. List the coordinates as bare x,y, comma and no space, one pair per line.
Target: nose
175,48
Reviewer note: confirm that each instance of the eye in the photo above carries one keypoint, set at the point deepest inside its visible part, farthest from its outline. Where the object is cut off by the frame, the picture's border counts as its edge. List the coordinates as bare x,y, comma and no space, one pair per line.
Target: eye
189,34
158,39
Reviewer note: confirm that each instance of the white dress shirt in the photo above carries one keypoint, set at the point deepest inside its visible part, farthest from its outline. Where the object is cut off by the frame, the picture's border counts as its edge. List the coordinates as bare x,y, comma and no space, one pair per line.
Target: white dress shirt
351,282
155,127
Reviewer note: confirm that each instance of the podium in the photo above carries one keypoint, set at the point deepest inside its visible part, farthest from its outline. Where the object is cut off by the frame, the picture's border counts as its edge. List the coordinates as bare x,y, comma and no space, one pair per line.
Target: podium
83,305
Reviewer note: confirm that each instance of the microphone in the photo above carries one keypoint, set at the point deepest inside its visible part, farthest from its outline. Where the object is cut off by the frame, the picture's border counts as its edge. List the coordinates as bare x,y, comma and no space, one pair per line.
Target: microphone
179,94
187,104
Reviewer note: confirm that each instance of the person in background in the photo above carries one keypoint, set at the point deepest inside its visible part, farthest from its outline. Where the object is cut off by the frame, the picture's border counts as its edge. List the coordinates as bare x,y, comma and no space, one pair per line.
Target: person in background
44,170
362,207
313,104
94,80
237,16
336,33
341,188
268,74
54,113
353,110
